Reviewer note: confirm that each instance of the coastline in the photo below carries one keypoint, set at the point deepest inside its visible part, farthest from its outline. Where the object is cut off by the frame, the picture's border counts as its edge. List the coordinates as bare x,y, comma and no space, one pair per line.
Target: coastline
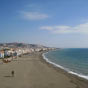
32,71
63,68
80,80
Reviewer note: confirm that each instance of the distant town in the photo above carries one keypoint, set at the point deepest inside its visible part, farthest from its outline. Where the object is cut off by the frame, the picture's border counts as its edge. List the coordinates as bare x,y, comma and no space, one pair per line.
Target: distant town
9,51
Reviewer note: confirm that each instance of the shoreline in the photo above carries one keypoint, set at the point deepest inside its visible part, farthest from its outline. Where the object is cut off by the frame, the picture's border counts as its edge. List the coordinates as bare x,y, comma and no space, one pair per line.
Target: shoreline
63,68
32,71
74,78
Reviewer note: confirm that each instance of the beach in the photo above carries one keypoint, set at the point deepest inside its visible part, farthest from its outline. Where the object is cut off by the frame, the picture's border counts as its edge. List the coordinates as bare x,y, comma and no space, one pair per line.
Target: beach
32,71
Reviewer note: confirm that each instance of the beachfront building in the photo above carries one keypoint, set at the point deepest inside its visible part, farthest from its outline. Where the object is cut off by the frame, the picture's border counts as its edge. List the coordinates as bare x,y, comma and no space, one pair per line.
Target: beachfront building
14,52
31,50
26,51
38,50
19,52
1,54
44,49
8,53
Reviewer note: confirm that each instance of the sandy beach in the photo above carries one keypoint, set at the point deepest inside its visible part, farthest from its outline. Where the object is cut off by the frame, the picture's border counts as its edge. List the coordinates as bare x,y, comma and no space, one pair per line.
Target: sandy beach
31,71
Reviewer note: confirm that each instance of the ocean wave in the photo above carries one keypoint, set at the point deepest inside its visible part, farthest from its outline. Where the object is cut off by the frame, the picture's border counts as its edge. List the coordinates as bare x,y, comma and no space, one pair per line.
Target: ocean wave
63,68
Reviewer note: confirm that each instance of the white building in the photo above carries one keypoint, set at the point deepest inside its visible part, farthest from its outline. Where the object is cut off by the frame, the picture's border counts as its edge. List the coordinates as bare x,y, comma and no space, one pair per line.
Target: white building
8,52
1,54
19,52
38,49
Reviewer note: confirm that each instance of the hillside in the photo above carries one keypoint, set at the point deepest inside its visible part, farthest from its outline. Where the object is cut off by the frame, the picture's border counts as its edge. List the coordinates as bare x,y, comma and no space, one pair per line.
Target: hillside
21,45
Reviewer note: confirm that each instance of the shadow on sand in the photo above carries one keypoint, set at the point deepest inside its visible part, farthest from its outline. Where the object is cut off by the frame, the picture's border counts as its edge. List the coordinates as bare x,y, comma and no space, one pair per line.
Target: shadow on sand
8,76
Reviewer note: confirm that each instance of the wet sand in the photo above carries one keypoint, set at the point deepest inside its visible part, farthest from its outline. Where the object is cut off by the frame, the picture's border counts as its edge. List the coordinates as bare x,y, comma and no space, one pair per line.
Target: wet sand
31,71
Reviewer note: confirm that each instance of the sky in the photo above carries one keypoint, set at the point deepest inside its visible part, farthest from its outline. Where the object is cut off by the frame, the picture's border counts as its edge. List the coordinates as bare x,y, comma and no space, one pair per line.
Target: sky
55,23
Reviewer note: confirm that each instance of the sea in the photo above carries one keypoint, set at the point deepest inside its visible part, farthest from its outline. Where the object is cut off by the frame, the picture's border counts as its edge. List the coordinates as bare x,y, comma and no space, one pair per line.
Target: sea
72,60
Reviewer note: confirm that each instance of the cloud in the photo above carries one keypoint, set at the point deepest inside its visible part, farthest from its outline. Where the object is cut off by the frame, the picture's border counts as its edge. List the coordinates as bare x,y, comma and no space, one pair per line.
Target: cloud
82,28
34,15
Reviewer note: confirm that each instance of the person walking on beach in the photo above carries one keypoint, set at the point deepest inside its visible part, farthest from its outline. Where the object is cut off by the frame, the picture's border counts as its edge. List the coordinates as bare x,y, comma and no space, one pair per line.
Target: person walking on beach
12,72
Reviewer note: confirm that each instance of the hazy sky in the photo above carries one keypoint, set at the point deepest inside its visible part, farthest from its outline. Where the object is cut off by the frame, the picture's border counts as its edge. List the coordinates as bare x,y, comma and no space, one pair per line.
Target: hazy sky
60,23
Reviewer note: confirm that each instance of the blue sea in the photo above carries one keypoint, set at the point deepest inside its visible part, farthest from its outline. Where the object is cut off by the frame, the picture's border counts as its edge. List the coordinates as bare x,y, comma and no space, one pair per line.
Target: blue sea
73,60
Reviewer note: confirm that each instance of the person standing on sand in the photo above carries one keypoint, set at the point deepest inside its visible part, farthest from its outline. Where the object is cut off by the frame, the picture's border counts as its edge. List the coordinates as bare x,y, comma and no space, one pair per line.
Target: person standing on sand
12,72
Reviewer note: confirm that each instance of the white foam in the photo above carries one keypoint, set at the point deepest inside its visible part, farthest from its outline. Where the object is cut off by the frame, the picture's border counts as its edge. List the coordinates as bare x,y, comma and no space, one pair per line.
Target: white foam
56,65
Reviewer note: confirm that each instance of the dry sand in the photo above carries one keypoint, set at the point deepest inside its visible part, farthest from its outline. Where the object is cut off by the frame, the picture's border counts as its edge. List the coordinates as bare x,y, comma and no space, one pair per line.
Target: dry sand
32,72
